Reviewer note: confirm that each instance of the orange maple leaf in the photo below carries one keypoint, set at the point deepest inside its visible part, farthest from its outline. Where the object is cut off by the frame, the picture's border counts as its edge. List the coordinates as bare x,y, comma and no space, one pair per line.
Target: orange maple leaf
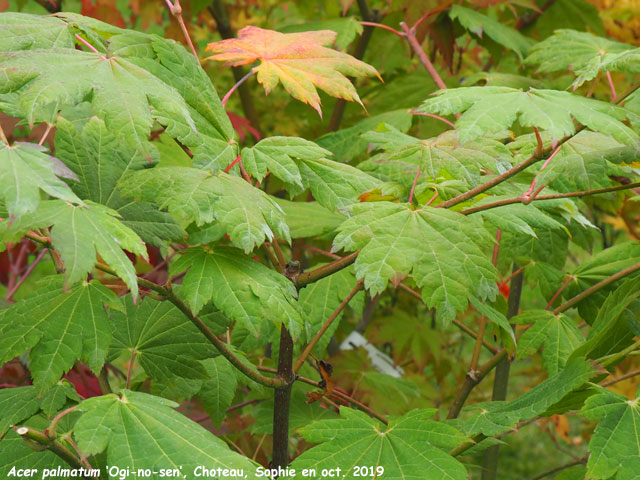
299,60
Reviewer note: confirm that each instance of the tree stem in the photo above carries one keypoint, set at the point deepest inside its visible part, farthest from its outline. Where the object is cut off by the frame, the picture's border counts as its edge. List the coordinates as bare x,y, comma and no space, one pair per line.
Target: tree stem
305,278
282,401
410,35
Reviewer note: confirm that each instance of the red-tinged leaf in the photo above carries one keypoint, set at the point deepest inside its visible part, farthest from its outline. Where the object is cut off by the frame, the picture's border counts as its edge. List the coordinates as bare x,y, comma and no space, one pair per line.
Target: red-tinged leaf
84,381
299,60
242,126
504,289
104,10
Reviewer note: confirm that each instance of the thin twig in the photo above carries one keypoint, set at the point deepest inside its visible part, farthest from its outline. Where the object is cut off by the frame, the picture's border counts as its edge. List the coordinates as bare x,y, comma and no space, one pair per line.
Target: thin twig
611,86
410,35
433,115
176,10
413,187
236,86
130,369
621,378
54,446
45,134
559,291
305,278
51,429
326,325
557,469
26,274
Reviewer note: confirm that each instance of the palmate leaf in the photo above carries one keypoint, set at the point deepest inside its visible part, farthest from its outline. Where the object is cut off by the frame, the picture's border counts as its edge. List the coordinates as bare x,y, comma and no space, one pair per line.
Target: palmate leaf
138,430
614,445
443,154
301,164
299,60
166,343
410,447
243,289
126,96
493,418
489,110
213,145
25,169
580,52
17,405
59,328
78,234
556,334
443,251
480,25
99,160
247,214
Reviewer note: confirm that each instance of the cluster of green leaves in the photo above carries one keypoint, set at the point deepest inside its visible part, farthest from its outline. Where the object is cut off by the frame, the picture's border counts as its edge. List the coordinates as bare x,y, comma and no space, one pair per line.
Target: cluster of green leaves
146,156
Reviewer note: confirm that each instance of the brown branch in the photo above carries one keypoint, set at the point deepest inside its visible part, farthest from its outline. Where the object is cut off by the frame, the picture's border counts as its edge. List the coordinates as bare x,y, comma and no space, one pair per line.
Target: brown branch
573,463
621,378
410,35
282,401
305,278
555,196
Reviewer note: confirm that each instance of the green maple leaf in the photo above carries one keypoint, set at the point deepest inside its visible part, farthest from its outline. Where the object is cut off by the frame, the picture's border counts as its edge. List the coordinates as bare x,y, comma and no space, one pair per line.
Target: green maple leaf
580,52
78,234
301,164
489,110
612,329
218,391
443,251
517,217
59,328
21,31
480,24
248,215
100,160
587,160
411,446
25,169
493,418
443,154
52,401
213,144
17,405
166,343
556,334
320,299
615,440
138,430
241,288
126,96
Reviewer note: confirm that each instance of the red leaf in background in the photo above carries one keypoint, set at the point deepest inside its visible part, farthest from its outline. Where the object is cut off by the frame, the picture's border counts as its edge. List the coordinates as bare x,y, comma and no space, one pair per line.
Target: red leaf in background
14,374
105,10
242,125
84,381
504,289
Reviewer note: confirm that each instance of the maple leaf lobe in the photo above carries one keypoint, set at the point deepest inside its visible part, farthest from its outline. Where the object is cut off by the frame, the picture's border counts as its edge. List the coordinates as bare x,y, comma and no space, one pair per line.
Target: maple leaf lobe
301,61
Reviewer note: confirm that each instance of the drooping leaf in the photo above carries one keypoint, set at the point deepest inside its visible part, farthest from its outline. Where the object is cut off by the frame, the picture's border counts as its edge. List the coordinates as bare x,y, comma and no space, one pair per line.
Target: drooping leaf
556,334
480,25
587,161
243,289
443,154
213,145
25,170
299,213
100,161
442,250
141,431
615,442
299,60
581,52
78,234
492,418
612,329
59,328
320,299
411,446
247,214
127,97
302,164
218,391
166,344
348,143
20,31
490,110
